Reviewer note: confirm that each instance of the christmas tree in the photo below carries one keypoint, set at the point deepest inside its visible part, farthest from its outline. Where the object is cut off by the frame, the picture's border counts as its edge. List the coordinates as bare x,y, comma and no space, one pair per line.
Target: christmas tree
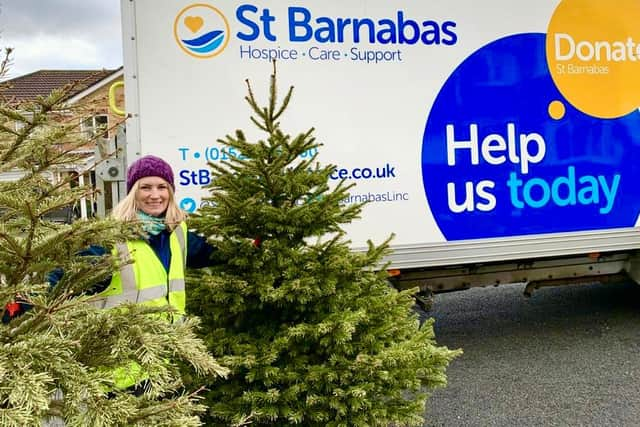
312,331
58,352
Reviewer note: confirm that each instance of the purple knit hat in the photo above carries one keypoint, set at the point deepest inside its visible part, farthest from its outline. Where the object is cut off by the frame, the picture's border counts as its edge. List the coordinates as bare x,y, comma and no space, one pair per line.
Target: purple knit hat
149,166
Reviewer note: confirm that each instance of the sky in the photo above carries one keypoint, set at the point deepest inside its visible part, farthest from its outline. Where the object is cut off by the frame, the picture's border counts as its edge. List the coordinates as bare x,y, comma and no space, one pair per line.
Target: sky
61,34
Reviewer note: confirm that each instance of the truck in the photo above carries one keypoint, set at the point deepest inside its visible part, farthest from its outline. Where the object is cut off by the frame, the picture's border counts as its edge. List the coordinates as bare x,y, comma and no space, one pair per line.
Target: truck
497,141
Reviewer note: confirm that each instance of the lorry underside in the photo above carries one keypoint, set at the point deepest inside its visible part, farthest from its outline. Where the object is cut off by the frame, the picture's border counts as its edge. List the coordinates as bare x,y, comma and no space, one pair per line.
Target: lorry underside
610,267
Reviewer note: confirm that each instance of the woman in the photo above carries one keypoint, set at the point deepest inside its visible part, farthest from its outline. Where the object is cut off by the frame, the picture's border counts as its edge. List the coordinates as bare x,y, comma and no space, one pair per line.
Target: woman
153,268
156,275
159,258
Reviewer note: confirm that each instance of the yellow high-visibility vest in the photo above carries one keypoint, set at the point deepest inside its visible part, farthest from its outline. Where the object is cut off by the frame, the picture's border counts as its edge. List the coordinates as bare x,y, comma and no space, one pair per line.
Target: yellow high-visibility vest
145,281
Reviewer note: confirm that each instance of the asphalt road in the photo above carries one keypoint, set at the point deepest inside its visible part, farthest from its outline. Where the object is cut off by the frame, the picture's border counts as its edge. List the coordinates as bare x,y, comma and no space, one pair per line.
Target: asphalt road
567,356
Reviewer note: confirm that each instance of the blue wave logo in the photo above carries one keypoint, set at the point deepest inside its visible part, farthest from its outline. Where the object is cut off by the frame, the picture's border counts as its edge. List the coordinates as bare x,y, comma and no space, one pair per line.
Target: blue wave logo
201,30
206,43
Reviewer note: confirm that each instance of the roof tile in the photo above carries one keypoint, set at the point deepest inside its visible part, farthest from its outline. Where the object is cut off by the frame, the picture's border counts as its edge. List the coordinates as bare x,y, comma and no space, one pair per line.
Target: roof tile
41,83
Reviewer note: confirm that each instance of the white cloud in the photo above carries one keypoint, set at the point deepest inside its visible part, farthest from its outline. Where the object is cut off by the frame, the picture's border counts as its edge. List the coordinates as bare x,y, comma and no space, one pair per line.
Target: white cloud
46,52
61,34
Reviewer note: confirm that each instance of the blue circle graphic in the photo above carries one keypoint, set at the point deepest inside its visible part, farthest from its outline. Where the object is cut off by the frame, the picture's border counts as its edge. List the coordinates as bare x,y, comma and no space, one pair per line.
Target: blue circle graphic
495,164
188,204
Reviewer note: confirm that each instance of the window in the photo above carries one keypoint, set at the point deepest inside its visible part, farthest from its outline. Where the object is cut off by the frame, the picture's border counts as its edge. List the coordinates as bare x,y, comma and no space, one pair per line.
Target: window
95,126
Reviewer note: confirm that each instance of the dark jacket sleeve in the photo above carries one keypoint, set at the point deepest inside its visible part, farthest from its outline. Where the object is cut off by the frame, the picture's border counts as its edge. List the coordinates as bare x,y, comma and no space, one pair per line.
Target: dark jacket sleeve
15,309
93,250
200,253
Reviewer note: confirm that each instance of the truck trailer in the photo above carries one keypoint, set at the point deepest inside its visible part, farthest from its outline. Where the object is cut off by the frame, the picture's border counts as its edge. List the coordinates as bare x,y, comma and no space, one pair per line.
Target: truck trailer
497,141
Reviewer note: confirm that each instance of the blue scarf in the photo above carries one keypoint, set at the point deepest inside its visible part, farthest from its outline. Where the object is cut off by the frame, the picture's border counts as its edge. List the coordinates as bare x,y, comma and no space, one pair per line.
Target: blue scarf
151,224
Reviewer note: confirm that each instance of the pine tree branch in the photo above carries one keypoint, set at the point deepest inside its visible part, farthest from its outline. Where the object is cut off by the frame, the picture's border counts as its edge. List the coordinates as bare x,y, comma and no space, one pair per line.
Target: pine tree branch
165,407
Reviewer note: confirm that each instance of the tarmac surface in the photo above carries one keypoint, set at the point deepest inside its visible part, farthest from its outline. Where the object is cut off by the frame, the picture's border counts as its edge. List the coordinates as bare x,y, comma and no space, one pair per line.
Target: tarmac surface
567,356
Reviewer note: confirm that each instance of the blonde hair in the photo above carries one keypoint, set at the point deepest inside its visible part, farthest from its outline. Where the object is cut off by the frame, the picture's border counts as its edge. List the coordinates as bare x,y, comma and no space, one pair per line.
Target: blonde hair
127,209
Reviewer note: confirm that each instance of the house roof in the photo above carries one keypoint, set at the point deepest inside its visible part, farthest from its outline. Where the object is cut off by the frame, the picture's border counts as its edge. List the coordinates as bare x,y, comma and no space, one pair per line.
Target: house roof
41,83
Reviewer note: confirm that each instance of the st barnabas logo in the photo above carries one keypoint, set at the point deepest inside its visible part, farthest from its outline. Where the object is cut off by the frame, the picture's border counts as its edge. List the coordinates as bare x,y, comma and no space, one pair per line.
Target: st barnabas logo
201,30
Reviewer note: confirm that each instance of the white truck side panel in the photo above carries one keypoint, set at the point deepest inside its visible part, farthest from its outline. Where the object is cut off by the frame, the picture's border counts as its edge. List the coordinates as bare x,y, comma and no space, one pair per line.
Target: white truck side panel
394,104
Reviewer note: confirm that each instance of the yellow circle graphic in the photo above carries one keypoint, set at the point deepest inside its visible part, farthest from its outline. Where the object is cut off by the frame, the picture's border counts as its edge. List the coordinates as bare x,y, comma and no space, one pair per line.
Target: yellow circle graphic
593,53
196,20
557,110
